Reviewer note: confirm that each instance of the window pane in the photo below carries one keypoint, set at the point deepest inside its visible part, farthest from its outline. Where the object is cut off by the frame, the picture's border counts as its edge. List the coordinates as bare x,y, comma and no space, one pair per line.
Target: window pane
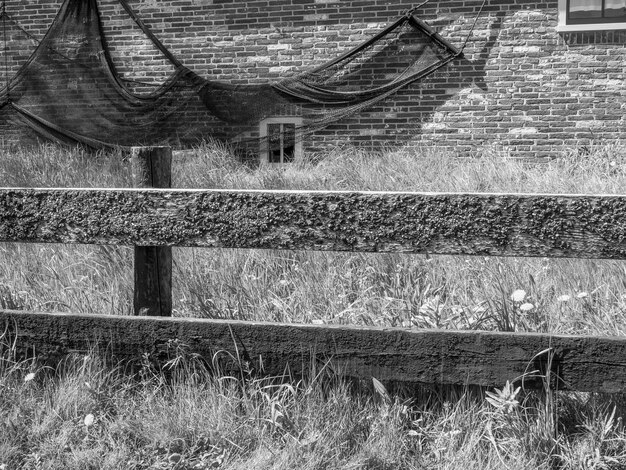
585,9
273,137
289,142
613,8
274,156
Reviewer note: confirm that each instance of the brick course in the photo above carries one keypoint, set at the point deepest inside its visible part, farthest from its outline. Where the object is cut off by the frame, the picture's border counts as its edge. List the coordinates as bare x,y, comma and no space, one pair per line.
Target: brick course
521,86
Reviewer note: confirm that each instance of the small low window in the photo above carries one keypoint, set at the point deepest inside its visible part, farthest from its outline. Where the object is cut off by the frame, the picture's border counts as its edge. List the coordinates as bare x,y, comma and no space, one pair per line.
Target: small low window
591,15
280,140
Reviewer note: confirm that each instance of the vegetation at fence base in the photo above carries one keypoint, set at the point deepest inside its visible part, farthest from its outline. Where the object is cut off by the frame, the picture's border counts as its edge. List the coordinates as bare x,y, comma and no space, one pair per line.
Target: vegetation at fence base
187,414
50,166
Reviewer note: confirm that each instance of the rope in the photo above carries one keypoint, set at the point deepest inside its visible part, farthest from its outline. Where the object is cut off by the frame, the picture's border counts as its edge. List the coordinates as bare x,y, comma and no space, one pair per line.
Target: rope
6,17
412,10
150,34
3,13
21,28
473,25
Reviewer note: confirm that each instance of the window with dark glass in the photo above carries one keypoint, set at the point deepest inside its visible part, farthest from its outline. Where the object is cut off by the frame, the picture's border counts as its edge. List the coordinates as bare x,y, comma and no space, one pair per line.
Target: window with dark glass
595,11
281,142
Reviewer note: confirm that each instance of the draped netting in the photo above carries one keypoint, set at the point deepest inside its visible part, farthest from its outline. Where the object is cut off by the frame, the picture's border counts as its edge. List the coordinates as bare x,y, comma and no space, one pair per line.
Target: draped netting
69,90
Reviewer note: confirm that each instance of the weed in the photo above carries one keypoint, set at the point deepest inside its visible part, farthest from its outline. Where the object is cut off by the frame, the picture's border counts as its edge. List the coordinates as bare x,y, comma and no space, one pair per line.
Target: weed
187,413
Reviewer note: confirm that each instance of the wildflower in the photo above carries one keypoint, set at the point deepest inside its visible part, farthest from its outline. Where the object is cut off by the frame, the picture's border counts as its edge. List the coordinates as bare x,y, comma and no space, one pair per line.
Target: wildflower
29,377
582,295
563,298
526,307
518,296
175,458
505,399
89,420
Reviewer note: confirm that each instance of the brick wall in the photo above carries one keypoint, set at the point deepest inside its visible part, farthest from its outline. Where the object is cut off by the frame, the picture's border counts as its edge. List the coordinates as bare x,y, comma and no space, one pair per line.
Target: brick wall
521,85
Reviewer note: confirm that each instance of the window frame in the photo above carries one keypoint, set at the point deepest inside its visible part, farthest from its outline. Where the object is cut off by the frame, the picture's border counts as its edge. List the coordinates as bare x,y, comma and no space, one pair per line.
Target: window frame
263,134
592,24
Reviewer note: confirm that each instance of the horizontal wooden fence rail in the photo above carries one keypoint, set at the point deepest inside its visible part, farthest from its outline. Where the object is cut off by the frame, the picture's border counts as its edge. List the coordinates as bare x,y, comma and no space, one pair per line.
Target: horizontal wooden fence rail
582,363
455,224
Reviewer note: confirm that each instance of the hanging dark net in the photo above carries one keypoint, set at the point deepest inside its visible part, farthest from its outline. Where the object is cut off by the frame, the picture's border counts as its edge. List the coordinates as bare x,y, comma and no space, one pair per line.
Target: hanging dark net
68,90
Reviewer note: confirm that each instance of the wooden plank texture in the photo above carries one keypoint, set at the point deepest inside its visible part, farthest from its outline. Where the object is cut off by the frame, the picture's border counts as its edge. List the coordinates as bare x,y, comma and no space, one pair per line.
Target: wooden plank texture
390,354
152,168
473,224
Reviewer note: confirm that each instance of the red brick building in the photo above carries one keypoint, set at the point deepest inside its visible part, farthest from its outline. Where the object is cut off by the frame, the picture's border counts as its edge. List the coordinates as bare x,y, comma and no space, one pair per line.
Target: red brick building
535,77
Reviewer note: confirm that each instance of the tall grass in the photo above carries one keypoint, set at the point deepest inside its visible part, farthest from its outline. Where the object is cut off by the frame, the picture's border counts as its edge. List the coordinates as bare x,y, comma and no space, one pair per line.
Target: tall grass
50,166
600,169
567,296
187,414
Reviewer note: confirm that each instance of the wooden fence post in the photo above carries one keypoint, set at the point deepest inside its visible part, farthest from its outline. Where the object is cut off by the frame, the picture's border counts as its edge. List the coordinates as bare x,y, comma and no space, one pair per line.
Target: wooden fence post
152,168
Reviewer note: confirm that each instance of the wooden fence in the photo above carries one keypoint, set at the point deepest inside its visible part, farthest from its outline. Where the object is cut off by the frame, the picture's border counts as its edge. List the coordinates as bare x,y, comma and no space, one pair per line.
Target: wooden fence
457,224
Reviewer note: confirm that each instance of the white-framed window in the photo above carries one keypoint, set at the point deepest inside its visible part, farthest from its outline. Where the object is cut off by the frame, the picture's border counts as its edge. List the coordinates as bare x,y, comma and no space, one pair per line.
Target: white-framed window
281,141
591,15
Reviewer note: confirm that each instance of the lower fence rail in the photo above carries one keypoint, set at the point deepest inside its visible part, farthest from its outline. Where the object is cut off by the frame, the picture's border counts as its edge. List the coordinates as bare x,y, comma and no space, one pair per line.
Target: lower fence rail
583,363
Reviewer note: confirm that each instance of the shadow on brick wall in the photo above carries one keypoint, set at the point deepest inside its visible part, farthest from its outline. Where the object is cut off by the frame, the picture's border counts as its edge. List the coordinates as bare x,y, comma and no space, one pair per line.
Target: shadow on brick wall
403,115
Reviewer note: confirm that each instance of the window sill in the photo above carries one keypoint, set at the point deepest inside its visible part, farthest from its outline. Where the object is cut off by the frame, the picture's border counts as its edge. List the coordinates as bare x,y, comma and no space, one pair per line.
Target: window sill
570,28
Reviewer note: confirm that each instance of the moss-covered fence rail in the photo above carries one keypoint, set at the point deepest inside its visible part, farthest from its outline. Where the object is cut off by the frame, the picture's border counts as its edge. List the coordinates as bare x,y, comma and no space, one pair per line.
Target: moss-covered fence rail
455,224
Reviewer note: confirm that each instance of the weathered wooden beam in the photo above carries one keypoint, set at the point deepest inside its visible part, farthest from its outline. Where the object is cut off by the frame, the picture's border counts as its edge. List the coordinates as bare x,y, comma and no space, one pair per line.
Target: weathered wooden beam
152,168
472,224
582,363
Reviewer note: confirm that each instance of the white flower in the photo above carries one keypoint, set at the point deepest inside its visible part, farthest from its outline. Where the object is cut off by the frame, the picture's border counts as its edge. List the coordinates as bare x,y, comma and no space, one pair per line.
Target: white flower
175,458
506,399
518,296
526,307
563,298
89,420
29,377
581,295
